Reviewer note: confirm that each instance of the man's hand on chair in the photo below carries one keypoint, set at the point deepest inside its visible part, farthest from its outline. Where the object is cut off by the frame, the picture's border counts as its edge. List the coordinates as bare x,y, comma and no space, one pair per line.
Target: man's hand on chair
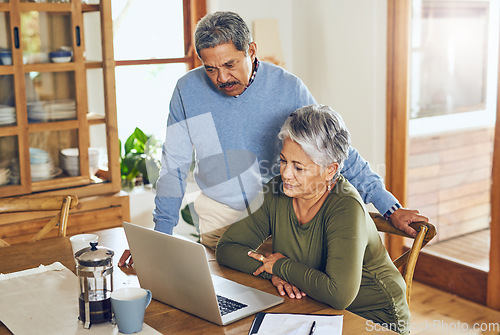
402,218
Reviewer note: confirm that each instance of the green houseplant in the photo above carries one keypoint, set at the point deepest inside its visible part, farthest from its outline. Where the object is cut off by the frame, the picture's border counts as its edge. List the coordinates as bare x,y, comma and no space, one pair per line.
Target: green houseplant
139,160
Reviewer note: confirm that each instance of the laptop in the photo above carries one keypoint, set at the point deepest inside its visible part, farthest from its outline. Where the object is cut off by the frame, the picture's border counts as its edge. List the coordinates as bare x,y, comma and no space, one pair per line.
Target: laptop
176,271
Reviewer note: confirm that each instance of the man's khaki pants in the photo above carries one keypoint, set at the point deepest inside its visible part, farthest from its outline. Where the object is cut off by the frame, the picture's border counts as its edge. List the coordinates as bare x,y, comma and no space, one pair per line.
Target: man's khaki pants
215,218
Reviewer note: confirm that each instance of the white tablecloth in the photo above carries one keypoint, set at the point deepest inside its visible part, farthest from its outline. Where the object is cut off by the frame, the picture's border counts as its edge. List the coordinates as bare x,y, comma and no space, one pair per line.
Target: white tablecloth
44,300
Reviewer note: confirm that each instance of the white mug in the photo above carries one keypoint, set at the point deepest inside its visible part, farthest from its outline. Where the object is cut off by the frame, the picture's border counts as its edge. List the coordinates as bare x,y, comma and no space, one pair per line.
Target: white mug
78,242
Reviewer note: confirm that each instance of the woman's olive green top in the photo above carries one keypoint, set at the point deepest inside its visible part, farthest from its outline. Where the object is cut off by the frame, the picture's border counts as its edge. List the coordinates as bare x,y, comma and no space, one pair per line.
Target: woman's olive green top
337,258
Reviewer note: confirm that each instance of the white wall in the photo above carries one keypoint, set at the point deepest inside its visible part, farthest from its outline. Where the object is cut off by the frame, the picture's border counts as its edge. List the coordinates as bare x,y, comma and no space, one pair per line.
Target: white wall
338,48
263,9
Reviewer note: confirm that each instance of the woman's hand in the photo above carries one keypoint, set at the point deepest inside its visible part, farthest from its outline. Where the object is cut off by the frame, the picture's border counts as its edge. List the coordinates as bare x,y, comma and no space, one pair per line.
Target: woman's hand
286,288
268,261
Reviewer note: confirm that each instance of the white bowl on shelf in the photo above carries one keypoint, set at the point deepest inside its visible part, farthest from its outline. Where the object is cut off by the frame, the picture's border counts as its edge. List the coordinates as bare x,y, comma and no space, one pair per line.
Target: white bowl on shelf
61,59
6,57
61,56
70,161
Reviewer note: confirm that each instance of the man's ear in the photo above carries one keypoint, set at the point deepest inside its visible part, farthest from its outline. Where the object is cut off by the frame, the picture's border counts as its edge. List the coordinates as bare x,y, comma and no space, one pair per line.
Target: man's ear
331,170
252,51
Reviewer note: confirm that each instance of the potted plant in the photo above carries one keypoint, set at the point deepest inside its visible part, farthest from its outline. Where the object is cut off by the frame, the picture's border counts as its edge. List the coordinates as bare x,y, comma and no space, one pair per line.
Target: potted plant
139,160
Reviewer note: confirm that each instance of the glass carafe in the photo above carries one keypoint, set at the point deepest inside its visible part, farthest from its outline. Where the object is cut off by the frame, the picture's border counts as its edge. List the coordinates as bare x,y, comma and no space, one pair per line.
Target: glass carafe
95,273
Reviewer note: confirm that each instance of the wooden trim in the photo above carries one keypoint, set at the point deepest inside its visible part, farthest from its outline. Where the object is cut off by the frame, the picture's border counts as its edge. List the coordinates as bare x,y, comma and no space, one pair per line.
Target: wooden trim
81,97
53,126
198,10
89,8
8,131
45,7
188,26
6,70
86,190
85,204
493,297
447,275
92,213
20,96
50,67
93,65
398,20
108,63
154,61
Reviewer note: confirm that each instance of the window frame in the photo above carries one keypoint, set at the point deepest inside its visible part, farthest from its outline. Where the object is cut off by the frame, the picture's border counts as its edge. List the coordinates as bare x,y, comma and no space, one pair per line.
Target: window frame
193,11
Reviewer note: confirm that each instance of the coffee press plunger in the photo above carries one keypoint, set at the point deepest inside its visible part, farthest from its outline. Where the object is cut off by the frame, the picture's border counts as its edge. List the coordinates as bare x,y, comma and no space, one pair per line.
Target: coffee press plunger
95,272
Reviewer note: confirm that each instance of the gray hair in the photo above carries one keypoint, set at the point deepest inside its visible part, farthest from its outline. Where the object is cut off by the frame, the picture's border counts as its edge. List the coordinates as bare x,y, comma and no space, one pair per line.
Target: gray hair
321,133
220,28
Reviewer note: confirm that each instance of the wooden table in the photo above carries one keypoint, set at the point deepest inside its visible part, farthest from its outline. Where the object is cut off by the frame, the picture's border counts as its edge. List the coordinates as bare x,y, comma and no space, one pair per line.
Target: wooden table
164,318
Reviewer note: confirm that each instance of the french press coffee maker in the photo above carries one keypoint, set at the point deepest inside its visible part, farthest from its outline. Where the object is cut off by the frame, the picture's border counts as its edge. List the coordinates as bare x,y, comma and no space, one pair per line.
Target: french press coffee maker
95,272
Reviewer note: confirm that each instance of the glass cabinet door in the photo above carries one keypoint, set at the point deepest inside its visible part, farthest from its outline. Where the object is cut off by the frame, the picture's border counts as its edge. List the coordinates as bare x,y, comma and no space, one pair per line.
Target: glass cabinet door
5,41
46,37
9,161
7,101
50,96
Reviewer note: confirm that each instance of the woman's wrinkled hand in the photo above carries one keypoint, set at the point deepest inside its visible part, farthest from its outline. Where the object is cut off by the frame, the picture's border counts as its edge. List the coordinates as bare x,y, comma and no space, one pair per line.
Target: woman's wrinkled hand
267,261
286,288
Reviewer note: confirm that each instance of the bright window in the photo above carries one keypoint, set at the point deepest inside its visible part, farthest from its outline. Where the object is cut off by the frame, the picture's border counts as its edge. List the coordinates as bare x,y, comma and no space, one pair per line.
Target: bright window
152,47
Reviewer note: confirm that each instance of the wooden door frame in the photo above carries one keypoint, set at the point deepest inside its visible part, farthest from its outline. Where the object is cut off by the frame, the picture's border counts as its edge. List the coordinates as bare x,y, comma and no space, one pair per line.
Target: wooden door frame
397,95
432,270
493,296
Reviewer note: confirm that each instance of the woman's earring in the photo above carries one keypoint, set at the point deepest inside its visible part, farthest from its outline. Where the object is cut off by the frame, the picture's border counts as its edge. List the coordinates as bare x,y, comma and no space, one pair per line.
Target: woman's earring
329,187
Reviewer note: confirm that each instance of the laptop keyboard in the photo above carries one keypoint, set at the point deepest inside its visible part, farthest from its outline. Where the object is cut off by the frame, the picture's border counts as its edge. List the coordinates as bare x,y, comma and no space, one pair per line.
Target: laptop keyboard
227,305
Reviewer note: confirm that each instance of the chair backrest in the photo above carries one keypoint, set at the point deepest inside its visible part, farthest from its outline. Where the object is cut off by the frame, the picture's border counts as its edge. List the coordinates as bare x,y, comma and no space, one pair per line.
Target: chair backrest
60,203
425,232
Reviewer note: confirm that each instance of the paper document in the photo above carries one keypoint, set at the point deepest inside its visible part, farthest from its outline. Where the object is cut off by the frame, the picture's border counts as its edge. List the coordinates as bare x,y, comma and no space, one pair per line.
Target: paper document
44,300
296,324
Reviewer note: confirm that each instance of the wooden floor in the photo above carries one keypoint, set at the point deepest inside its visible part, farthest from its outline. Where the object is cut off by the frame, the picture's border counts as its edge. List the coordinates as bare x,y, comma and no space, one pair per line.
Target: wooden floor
478,248
437,312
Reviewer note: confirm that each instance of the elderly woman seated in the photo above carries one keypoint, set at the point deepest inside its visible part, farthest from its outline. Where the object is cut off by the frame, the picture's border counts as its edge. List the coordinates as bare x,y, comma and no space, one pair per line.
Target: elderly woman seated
324,243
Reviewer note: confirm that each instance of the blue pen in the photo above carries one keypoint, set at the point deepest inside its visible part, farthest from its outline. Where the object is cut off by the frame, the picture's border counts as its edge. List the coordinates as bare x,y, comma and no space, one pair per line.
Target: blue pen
313,327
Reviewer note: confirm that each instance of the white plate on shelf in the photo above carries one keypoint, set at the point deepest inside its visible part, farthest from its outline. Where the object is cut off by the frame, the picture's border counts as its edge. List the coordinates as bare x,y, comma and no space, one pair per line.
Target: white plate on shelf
56,171
70,152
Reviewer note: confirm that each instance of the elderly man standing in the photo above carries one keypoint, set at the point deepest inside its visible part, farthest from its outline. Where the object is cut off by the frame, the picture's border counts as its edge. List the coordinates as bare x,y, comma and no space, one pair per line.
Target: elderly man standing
228,112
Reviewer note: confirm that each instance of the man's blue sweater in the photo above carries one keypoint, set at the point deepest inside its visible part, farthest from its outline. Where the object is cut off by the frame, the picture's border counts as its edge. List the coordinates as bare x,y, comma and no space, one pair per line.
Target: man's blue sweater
235,143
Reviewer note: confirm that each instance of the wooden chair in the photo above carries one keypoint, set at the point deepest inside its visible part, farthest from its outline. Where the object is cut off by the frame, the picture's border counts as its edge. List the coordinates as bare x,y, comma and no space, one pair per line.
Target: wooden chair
60,203
426,231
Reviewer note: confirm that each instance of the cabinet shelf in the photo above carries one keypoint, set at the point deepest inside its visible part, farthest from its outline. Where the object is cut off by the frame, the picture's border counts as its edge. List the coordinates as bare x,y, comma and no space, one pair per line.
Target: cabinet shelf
90,8
49,67
6,69
52,126
62,182
45,7
94,119
8,130
90,64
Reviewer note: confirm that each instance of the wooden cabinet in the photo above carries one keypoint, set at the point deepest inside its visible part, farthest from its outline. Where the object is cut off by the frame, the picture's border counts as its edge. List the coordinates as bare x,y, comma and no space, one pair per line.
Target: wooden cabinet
58,121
